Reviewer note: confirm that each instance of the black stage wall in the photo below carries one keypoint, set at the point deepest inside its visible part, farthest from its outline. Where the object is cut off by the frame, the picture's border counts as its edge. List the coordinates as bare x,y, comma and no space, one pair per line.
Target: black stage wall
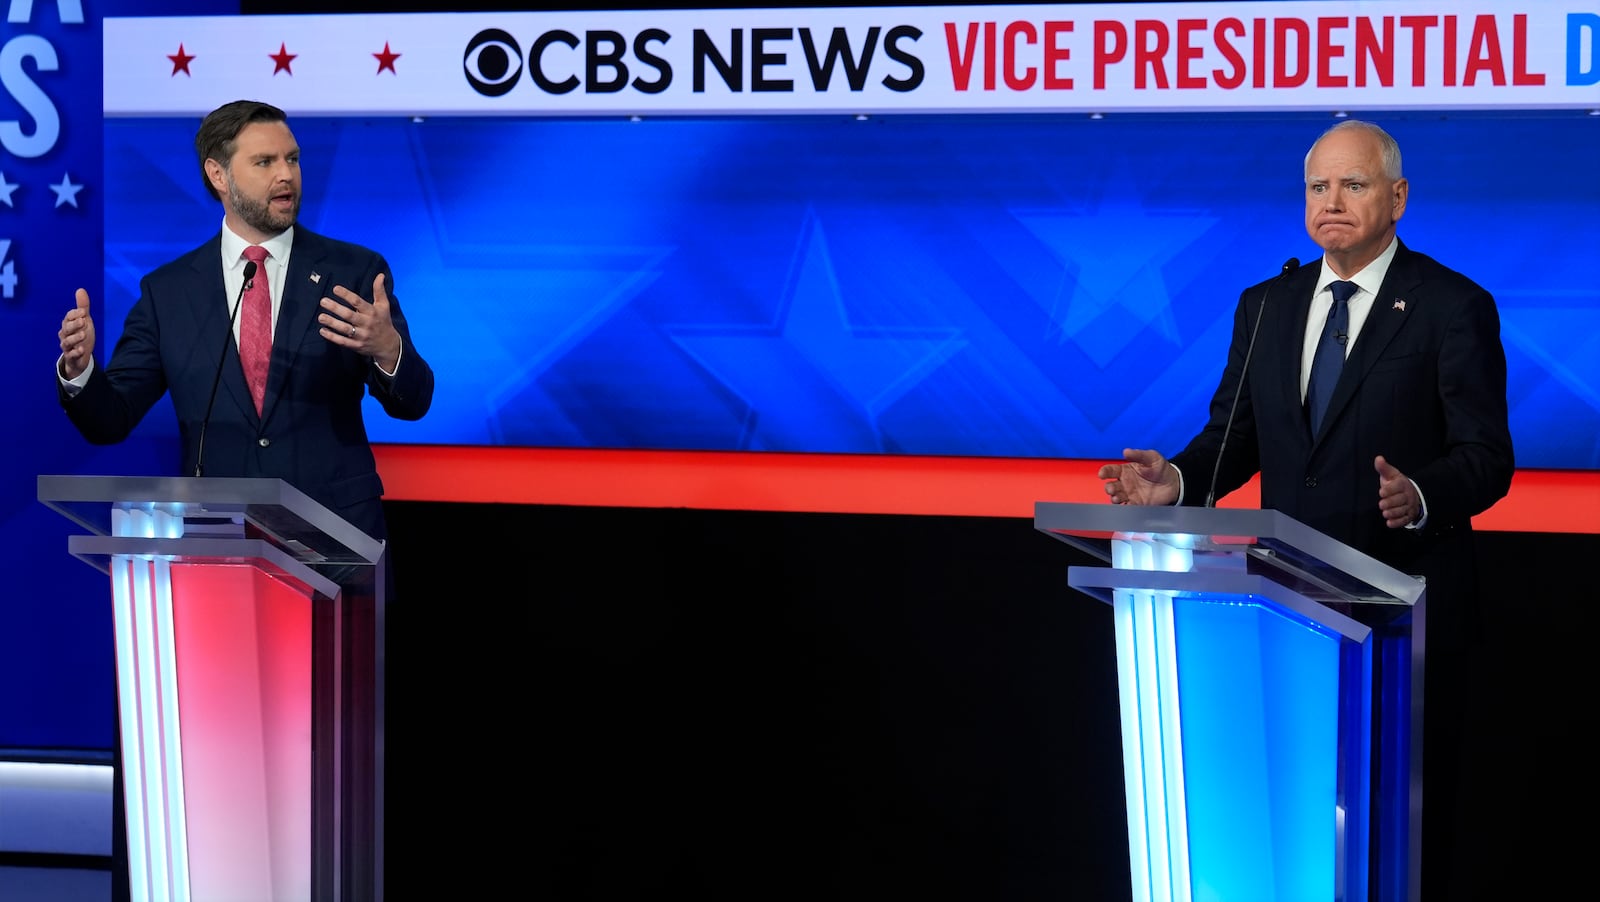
619,704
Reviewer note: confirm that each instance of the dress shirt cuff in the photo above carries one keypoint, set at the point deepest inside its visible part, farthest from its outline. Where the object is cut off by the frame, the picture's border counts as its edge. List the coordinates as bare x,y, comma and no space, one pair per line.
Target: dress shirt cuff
73,386
1422,502
397,357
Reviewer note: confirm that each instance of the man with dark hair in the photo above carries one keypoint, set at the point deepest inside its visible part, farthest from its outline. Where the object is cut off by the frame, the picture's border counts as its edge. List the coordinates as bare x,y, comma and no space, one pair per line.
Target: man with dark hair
329,344
316,329
1404,441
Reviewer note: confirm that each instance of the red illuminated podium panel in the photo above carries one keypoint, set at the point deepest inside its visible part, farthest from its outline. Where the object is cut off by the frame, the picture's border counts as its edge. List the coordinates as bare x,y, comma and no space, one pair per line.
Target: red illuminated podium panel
249,625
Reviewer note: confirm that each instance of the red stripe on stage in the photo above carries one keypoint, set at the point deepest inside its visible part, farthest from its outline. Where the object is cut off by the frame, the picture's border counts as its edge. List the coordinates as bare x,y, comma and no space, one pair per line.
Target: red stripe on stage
1539,501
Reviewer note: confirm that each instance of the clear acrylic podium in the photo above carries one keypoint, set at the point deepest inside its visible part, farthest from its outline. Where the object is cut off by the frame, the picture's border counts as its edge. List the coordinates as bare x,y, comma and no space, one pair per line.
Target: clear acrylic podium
249,630
1270,681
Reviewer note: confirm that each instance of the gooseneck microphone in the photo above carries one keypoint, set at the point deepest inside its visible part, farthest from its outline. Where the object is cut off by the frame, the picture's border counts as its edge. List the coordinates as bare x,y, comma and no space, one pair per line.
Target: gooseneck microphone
200,453
1289,266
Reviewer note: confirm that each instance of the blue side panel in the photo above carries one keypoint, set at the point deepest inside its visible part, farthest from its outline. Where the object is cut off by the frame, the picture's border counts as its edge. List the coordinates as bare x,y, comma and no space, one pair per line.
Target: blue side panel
1260,695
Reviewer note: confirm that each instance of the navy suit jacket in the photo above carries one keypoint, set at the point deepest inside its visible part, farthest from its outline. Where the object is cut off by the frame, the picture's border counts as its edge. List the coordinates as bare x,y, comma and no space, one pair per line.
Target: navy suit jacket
1424,386
311,432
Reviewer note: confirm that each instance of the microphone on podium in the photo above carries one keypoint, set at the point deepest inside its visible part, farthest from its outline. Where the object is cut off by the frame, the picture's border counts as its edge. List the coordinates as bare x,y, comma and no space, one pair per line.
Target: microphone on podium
1289,266
200,453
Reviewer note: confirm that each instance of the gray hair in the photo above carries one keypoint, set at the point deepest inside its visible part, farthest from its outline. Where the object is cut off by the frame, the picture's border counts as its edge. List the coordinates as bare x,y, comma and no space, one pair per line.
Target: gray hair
1390,147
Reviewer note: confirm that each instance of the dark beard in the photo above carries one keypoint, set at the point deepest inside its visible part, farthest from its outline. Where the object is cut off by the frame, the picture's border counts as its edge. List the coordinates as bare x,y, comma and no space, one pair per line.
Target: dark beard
257,214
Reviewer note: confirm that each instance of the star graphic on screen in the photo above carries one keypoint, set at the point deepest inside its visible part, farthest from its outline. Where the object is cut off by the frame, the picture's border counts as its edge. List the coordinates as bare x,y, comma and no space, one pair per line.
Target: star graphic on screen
180,61
814,376
6,190
1107,278
66,192
282,58
386,59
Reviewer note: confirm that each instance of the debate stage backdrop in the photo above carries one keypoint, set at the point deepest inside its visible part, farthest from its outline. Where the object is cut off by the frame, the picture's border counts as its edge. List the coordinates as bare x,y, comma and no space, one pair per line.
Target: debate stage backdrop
944,252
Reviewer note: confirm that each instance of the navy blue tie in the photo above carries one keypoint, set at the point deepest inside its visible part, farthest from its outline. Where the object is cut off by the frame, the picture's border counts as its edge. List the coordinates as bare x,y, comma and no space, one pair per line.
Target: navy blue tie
1329,361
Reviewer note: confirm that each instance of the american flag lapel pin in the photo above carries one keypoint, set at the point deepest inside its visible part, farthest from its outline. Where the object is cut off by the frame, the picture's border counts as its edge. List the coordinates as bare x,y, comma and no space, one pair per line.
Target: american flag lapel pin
316,278
1400,305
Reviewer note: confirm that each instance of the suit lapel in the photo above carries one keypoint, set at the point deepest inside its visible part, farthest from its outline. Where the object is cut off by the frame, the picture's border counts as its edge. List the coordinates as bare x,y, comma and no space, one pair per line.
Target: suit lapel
1293,343
1391,306
1292,306
297,312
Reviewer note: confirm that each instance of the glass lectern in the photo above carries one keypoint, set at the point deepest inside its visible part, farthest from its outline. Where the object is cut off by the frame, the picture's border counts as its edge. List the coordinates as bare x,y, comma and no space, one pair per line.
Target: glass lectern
249,630
1271,697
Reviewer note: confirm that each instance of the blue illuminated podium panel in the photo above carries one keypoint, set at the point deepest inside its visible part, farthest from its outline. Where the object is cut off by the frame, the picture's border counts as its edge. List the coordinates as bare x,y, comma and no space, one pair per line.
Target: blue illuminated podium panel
1271,700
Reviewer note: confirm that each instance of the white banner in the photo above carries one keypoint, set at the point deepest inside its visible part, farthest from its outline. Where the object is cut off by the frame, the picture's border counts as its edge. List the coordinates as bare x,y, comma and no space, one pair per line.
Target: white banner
1093,58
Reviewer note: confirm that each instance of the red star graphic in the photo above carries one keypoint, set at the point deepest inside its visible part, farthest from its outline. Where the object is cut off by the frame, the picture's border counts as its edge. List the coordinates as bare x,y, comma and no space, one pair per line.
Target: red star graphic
282,58
386,59
180,61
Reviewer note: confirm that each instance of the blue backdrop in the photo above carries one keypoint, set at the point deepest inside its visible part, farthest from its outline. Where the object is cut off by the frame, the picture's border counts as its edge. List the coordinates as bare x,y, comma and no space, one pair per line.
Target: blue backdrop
979,285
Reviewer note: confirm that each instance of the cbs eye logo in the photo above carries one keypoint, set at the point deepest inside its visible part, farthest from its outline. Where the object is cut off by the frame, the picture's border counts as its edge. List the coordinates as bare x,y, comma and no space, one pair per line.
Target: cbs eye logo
492,62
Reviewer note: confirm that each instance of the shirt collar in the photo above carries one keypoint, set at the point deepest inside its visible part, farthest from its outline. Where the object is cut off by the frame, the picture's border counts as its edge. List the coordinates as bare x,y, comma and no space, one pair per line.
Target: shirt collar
233,247
1370,278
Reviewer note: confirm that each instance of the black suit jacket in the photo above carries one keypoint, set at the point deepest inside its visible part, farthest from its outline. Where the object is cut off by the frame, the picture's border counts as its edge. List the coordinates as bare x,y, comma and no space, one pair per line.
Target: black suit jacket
1424,386
311,432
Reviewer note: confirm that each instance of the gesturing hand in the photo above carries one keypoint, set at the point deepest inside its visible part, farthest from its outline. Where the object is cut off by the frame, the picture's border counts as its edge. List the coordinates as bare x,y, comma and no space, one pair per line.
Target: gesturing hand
1146,478
351,322
77,338
1398,500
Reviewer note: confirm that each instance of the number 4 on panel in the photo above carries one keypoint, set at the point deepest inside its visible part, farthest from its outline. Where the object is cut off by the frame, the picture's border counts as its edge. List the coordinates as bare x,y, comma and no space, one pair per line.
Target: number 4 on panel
8,271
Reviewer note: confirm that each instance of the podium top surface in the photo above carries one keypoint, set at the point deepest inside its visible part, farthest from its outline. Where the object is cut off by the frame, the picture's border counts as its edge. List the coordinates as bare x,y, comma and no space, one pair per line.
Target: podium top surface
1271,542
269,509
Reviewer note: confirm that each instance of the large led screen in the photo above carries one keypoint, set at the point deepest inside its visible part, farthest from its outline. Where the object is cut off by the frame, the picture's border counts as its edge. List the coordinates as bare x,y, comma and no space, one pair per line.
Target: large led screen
1032,285
995,231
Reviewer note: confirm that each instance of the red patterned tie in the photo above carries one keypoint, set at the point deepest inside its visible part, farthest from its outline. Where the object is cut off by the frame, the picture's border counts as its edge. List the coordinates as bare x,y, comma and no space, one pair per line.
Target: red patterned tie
255,327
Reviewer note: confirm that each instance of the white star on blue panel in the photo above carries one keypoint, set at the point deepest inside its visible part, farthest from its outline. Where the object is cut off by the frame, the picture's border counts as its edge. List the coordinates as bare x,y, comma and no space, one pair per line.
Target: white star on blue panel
67,191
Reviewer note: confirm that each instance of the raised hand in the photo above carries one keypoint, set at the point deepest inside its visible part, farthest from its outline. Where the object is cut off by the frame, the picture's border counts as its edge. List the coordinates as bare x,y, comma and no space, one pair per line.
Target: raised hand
77,338
352,322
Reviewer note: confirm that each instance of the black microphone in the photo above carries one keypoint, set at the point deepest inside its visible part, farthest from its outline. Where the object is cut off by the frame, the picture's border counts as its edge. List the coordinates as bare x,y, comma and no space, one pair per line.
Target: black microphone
1289,266
200,453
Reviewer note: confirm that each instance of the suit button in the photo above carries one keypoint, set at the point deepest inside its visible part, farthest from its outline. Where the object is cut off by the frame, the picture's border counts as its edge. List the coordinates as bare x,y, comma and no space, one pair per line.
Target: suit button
263,442
1311,481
